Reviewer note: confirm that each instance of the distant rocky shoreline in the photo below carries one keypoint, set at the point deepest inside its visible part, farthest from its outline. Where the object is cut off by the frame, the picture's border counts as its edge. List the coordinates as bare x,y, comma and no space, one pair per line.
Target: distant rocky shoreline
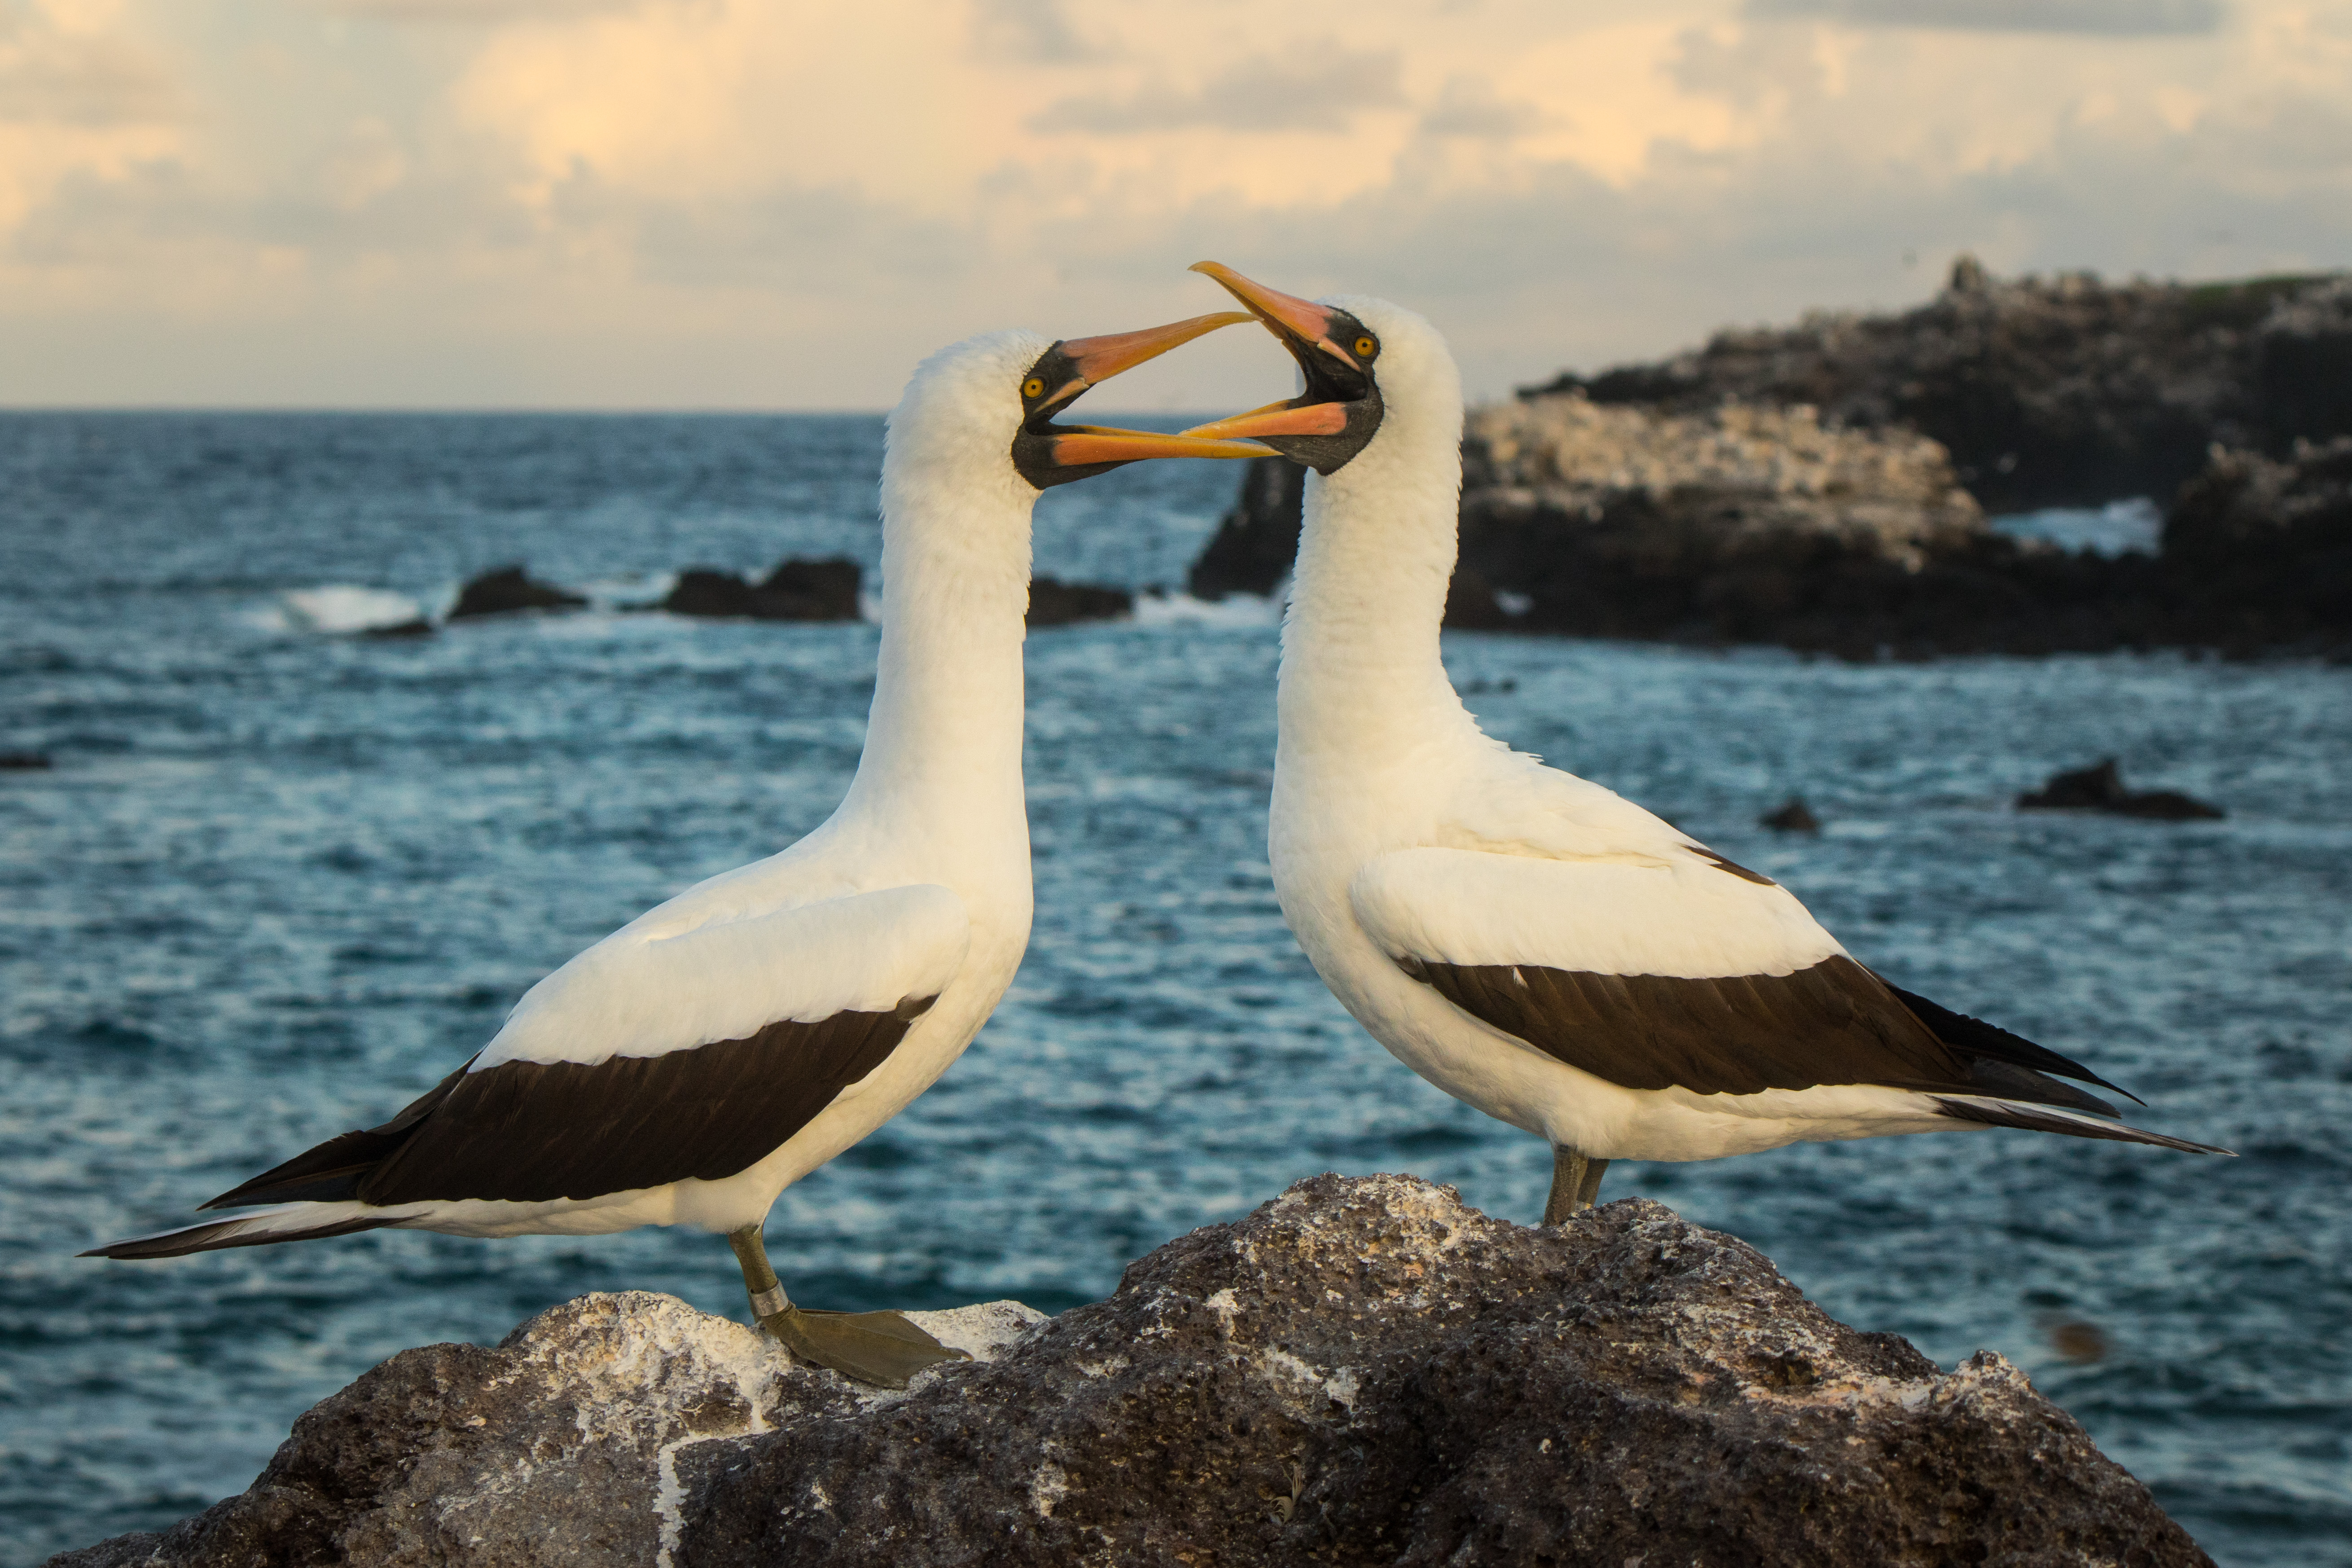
1362,1370
1824,487
798,589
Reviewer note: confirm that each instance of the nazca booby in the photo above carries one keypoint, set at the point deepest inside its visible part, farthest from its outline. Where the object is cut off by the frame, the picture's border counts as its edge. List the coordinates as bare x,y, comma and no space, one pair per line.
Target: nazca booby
1526,939
692,1065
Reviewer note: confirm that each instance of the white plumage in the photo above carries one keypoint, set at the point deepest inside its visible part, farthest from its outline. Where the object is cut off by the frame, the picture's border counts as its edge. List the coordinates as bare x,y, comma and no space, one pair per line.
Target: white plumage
692,1065
1527,940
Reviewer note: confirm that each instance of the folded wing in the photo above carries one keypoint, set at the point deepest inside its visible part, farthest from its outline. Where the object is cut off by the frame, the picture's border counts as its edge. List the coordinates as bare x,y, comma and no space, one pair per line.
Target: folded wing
1675,969
648,1060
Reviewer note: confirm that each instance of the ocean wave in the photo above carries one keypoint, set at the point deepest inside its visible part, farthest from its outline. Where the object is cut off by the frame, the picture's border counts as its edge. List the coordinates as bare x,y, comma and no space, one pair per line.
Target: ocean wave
341,607
1235,610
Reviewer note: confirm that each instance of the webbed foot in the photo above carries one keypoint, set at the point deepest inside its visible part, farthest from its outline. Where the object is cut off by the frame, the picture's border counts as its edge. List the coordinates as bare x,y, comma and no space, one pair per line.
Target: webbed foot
880,1348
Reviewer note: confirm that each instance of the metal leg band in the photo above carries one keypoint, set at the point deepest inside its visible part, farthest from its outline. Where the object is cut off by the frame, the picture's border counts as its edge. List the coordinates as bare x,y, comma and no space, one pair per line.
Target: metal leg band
769,1302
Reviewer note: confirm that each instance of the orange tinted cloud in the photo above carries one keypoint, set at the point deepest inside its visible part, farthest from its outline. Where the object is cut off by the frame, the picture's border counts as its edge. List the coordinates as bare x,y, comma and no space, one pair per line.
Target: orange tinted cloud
679,201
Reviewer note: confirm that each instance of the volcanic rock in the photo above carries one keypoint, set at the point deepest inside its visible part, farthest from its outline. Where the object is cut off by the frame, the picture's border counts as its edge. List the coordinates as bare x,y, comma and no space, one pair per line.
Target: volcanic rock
509,589
1471,605
1739,524
2101,788
797,590
2258,551
1255,543
1054,602
1363,1370
2057,391
1793,816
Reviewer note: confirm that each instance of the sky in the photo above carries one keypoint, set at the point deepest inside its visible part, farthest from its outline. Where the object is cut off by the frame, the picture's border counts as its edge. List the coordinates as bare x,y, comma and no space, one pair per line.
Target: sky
723,203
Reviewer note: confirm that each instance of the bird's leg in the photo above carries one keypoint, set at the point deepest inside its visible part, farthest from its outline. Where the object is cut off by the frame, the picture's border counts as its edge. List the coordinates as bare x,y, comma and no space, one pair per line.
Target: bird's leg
1575,1182
1587,1191
879,1348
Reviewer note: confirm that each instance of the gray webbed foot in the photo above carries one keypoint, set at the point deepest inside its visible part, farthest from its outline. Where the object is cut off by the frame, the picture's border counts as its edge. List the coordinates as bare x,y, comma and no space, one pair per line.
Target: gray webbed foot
880,1348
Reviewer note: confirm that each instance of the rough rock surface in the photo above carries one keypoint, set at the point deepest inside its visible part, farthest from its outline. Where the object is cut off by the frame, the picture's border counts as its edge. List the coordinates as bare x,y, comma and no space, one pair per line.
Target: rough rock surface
1737,524
509,589
1740,523
2258,552
1054,602
1362,1370
2047,391
797,590
1889,493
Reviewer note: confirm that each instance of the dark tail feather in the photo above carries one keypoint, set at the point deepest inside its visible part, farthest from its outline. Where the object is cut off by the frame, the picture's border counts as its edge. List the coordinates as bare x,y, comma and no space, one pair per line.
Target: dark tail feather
248,1231
331,1172
2045,1118
1977,1037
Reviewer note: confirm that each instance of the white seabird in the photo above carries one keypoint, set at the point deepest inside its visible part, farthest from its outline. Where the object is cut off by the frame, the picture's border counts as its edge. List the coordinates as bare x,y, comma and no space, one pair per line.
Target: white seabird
1526,939
691,1066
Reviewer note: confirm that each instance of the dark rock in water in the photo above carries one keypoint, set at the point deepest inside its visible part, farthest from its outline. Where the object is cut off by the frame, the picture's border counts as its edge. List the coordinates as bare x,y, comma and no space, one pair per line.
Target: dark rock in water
1742,524
1053,603
1792,816
509,589
23,761
1471,605
707,591
819,590
2258,552
1748,524
1255,544
797,590
2047,391
2101,788
1363,1370
418,627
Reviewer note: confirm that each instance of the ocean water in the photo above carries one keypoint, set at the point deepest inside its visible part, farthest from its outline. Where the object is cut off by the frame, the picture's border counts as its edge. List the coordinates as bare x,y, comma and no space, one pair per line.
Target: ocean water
281,878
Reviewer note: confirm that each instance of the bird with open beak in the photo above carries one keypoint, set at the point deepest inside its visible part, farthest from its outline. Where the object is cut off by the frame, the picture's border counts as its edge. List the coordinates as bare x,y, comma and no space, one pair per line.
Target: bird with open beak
692,1065
1529,941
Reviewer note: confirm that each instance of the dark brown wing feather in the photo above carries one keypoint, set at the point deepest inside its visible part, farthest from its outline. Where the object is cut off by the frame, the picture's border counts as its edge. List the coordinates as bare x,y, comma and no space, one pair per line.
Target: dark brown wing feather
1833,1023
533,1131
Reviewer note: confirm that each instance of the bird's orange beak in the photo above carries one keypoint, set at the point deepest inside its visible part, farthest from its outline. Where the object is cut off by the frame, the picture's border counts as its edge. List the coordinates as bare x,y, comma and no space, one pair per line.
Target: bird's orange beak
1094,360
1297,324
1090,362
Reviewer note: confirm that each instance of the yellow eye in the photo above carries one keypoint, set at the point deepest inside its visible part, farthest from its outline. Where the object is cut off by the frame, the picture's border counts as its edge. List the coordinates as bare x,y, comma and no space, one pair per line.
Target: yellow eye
1364,347
1033,387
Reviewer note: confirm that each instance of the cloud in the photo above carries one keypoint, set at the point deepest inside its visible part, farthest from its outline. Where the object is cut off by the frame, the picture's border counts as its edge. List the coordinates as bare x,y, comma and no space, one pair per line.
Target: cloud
1748,68
472,13
823,243
1469,108
1035,32
1309,87
737,203
2113,18
49,76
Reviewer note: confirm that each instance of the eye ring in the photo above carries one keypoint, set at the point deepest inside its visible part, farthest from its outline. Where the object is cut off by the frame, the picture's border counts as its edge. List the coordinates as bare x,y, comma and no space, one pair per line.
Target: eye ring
1365,347
1034,387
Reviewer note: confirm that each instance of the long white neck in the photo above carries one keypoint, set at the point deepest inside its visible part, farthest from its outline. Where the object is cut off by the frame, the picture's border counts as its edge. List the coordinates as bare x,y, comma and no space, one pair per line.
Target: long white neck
942,768
1363,689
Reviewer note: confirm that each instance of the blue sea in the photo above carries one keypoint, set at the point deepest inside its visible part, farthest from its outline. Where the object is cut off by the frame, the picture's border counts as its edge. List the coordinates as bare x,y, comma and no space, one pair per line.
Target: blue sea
282,878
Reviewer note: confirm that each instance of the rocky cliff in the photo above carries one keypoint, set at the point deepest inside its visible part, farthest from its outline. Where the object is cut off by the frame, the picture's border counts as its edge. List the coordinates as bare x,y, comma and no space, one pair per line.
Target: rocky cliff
1362,1370
1800,486
2046,391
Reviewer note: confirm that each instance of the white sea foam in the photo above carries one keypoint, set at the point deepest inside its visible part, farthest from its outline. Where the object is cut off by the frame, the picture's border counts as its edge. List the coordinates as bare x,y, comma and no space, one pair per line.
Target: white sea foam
635,591
1234,610
340,607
